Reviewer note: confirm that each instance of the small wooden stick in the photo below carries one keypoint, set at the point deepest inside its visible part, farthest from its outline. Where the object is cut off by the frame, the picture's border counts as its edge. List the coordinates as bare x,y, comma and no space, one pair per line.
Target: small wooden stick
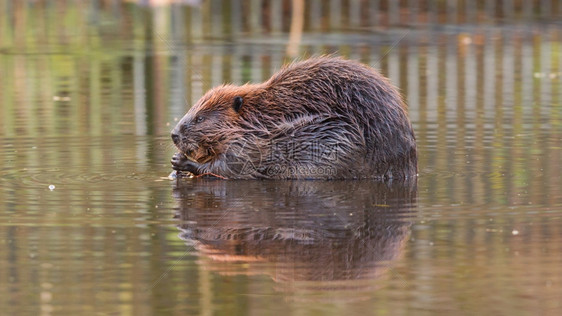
210,174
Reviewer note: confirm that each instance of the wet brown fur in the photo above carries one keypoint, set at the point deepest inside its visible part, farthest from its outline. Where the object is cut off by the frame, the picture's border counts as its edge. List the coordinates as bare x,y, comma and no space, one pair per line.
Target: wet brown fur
324,118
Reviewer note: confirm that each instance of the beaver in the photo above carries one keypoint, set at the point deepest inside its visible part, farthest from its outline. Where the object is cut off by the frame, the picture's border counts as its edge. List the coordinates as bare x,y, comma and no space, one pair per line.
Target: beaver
321,118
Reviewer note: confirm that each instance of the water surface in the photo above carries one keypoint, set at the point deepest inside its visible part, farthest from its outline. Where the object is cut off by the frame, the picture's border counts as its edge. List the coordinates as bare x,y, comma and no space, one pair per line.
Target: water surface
90,224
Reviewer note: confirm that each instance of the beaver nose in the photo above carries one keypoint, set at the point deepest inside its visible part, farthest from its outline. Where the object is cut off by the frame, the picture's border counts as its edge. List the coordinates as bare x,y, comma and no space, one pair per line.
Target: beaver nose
175,138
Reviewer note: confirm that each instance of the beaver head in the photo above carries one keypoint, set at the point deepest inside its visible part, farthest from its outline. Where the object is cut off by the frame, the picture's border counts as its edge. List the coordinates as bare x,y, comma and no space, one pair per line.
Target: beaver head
210,124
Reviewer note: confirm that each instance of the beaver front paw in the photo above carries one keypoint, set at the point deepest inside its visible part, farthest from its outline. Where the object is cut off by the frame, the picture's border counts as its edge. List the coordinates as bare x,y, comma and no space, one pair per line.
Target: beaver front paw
181,163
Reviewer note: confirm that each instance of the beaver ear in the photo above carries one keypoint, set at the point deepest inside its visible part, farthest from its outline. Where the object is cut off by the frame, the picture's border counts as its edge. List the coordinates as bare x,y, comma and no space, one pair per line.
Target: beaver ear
237,104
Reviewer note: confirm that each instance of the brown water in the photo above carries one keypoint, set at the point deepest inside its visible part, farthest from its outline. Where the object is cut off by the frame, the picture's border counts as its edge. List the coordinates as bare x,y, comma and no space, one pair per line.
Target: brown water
89,223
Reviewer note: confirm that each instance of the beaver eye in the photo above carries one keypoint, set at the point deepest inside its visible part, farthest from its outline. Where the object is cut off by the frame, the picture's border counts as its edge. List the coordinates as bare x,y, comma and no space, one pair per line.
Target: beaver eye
199,119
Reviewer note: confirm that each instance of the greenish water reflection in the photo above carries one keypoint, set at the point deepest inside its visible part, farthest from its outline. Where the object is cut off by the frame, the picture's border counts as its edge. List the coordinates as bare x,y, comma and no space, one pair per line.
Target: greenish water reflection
90,91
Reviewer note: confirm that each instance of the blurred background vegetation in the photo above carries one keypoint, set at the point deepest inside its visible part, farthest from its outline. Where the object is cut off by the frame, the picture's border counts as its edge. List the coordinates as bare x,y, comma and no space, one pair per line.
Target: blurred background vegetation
480,76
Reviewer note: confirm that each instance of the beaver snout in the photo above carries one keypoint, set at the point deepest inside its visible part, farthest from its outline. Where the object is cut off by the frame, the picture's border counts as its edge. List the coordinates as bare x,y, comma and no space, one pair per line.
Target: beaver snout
175,138
183,143
178,134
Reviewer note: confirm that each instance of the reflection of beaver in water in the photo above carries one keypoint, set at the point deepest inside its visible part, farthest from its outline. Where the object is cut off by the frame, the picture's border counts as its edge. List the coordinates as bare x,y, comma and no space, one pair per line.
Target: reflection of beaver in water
298,230
320,118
